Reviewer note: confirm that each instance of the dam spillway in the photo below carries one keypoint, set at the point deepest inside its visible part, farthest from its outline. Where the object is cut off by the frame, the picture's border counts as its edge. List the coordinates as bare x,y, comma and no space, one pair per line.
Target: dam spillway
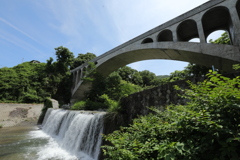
78,133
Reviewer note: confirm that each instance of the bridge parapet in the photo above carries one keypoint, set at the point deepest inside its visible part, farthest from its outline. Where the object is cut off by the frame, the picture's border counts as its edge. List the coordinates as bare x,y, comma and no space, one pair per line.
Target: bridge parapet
171,41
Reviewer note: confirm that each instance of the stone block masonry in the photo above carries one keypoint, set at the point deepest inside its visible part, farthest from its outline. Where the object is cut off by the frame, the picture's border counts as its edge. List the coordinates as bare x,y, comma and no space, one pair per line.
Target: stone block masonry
139,103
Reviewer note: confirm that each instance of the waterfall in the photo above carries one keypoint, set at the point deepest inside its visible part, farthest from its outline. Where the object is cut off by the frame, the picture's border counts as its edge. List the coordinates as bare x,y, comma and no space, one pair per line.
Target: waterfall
79,133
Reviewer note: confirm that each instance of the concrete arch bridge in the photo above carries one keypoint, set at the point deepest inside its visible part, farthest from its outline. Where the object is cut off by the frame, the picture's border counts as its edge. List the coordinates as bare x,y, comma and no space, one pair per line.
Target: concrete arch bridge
171,41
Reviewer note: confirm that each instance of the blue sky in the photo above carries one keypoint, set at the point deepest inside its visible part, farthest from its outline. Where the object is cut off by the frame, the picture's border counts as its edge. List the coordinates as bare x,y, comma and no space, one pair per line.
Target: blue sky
31,29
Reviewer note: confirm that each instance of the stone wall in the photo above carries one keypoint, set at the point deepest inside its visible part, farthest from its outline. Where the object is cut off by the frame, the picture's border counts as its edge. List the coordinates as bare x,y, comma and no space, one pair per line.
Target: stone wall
139,103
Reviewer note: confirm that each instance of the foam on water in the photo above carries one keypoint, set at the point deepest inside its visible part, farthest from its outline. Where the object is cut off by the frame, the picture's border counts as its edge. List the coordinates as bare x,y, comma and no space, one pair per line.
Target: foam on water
70,135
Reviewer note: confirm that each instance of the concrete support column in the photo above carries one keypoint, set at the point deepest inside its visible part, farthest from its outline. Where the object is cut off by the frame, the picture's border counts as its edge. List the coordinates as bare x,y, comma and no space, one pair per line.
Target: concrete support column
77,77
201,32
175,37
81,74
235,28
73,80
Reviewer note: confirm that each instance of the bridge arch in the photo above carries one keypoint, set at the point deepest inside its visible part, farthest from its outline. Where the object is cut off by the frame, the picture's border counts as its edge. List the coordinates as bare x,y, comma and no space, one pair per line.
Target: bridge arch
165,35
157,43
147,40
203,54
187,30
217,18
238,8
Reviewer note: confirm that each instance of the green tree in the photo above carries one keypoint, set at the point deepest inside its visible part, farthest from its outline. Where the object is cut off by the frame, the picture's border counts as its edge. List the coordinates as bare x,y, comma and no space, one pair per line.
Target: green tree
82,58
196,70
59,78
224,39
149,78
130,75
8,77
64,59
178,75
23,83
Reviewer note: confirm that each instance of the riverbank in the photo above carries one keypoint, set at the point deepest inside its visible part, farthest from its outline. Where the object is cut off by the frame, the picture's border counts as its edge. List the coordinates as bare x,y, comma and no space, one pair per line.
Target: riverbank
19,114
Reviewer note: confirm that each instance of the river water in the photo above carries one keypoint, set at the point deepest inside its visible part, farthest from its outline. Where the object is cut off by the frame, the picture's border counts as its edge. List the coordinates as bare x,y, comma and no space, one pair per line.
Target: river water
65,136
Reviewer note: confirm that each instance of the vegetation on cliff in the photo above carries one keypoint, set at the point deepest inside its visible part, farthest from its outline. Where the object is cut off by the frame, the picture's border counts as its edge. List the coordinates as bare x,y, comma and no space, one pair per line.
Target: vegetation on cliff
206,128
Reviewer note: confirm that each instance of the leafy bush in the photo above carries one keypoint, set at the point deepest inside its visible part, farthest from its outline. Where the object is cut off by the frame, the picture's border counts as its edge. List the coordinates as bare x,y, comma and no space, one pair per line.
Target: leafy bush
127,88
79,105
113,106
208,127
88,105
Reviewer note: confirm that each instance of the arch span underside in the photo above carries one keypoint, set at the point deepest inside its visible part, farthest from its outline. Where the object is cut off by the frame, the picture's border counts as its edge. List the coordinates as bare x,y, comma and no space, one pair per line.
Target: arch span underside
222,56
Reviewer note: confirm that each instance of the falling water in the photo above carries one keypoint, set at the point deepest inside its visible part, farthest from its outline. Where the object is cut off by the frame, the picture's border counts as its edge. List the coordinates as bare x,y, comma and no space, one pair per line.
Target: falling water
77,133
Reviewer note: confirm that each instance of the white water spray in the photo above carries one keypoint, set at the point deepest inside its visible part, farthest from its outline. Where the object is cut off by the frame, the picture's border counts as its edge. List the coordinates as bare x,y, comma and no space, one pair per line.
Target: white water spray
79,134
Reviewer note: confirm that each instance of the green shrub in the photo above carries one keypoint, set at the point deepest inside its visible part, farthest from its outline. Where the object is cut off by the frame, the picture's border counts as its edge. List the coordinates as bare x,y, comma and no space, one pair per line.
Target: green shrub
208,127
81,105
88,105
91,105
113,106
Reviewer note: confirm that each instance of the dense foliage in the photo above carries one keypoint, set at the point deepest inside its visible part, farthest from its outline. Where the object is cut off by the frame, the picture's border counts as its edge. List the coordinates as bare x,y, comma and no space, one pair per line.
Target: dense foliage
191,70
106,92
23,83
33,82
206,128
82,58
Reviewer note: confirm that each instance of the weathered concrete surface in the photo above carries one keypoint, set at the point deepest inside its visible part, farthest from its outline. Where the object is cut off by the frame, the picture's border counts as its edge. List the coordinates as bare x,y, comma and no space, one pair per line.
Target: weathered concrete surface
221,56
170,41
55,103
19,114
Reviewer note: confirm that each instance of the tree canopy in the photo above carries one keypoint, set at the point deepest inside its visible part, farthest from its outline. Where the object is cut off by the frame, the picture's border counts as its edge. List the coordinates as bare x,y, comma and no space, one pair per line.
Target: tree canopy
33,82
